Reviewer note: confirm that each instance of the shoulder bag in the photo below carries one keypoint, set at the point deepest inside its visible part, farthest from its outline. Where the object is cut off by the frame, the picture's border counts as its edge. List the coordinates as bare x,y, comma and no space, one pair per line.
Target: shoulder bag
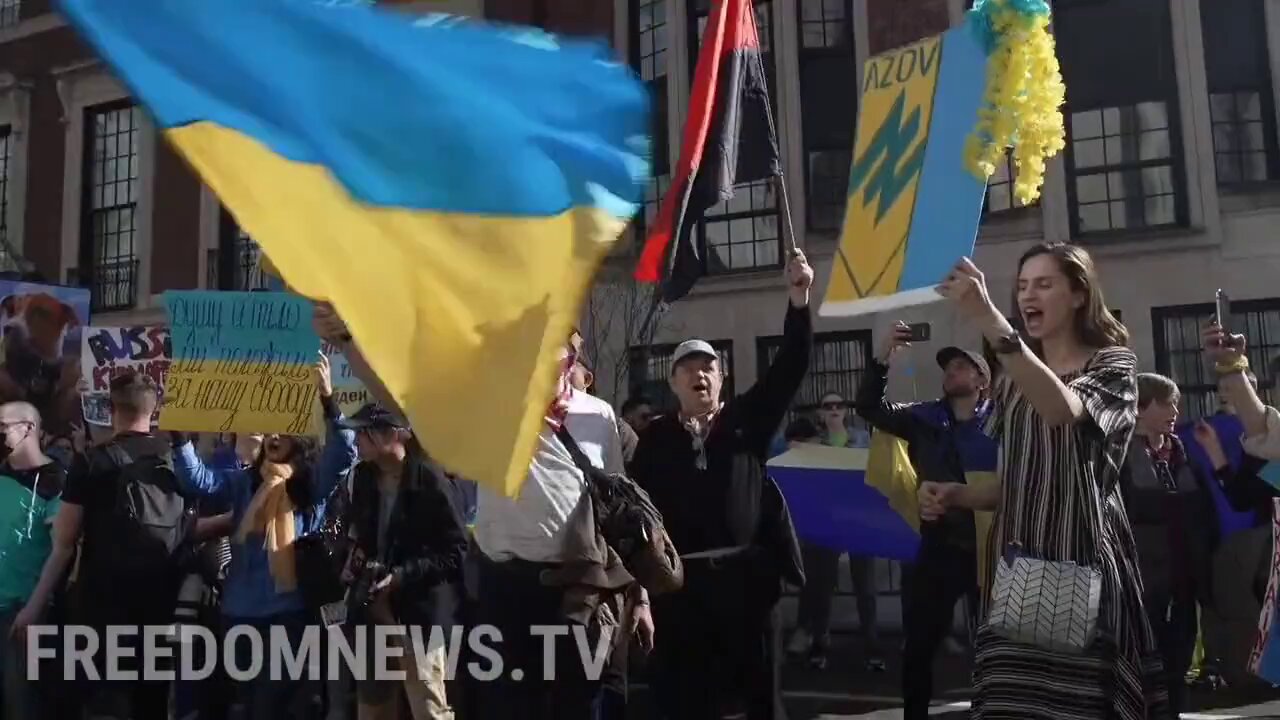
629,522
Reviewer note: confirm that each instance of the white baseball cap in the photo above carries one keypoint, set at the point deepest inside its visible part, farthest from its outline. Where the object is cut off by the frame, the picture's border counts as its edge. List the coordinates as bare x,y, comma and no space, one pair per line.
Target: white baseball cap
692,347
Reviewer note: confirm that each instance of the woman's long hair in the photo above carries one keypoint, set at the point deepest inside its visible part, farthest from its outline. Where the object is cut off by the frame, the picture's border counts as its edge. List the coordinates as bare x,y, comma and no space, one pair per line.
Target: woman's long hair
1095,326
302,459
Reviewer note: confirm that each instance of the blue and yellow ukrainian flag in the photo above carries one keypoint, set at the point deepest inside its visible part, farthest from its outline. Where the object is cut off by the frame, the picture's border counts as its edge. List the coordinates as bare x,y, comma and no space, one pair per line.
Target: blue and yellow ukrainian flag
449,186
836,502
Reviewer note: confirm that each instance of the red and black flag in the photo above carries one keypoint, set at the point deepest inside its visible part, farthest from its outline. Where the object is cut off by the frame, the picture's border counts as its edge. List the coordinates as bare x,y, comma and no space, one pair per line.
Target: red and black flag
729,139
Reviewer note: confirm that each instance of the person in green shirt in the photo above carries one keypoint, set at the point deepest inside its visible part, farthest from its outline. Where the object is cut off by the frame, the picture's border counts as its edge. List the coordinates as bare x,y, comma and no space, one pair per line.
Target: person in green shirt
30,485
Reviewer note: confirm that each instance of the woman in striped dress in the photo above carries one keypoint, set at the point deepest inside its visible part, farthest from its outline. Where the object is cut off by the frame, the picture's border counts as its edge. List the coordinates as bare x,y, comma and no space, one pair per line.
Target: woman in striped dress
1066,405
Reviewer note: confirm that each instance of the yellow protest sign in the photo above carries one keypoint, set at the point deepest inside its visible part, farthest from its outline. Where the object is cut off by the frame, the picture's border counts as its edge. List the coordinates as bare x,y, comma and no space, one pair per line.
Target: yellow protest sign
913,207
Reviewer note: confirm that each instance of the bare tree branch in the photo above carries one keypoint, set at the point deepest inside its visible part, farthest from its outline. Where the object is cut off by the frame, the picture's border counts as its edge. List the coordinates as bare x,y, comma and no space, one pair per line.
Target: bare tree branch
616,315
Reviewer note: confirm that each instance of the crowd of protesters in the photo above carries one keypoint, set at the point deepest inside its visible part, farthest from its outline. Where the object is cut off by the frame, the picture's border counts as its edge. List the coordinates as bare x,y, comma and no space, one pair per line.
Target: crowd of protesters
275,532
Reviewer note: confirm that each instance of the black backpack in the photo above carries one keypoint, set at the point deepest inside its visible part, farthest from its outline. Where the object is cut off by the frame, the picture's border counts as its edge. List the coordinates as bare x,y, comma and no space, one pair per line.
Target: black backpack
147,529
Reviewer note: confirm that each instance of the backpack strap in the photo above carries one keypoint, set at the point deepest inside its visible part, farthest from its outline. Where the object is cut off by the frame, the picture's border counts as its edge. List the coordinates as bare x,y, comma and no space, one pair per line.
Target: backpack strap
110,459
118,455
579,457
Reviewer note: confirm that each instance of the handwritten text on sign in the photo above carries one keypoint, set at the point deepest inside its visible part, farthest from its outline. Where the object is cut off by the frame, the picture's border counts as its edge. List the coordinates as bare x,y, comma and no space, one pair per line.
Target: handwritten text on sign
108,352
349,392
241,363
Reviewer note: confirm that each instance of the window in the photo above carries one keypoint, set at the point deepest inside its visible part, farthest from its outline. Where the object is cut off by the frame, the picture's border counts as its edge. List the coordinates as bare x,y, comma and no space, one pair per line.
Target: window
111,188
1000,196
828,115
1241,103
837,365
1124,152
649,56
8,257
741,233
649,375
1179,356
237,263
10,12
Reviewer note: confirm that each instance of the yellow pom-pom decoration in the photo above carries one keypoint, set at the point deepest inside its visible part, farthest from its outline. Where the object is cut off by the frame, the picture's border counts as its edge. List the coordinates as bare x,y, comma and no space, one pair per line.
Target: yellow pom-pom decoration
1022,105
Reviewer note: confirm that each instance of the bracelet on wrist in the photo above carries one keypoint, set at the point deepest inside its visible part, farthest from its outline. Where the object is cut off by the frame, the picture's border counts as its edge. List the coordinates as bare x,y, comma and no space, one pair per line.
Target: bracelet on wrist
1238,365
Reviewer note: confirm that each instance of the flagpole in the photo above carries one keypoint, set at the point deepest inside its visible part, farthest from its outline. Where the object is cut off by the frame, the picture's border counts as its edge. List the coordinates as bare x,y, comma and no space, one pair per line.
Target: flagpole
786,213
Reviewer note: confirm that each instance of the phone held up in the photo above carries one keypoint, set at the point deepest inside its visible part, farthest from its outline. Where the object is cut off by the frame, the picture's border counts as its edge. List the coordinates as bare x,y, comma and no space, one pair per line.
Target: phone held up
920,332
1222,311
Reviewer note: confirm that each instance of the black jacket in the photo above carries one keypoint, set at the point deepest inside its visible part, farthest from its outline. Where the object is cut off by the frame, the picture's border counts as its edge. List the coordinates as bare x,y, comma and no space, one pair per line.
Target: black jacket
727,504
719,625
426,538
1245,490
1173,519
937,445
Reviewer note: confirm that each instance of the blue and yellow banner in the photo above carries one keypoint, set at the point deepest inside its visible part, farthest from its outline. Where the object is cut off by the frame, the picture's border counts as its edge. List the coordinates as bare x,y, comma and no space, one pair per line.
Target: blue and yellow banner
450,187
834,504
913,204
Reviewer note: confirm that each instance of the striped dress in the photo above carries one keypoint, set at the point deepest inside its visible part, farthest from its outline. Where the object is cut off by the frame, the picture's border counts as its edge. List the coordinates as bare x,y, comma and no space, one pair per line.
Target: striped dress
1060,499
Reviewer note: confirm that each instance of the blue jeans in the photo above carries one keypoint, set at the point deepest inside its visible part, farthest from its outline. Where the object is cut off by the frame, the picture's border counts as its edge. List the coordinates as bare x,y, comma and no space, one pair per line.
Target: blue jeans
18,696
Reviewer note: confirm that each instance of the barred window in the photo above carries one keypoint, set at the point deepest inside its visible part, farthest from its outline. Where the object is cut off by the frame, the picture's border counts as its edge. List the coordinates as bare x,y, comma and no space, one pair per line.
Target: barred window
839,361
1179,354
1124,151
111,189
650,373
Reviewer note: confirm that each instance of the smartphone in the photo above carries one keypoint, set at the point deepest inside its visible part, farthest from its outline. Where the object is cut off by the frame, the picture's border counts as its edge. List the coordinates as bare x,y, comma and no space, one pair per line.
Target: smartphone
1223,311
920,332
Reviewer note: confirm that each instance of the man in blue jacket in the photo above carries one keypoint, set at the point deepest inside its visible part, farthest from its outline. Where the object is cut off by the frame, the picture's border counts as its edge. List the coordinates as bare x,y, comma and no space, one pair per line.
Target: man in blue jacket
944,440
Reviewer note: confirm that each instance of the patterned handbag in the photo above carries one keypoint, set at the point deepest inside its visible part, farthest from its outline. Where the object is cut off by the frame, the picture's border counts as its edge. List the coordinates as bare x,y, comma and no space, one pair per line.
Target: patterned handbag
1050,604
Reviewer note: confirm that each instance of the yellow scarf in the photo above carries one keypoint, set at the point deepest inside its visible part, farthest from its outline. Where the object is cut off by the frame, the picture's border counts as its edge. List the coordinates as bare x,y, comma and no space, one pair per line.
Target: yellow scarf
271,513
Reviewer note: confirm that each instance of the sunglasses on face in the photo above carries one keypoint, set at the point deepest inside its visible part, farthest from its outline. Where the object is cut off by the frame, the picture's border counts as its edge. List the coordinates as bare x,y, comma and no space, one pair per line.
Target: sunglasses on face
833,406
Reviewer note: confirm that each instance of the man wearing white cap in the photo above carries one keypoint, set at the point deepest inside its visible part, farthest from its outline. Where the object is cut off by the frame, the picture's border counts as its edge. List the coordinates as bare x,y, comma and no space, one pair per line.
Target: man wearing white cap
704,470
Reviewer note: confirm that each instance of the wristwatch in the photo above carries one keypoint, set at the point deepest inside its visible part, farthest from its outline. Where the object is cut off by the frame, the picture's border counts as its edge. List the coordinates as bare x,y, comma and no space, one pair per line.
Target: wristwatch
1010,344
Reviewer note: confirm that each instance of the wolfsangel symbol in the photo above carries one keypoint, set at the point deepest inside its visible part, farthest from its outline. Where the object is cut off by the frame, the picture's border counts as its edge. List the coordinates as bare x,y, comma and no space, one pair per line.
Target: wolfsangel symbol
884,181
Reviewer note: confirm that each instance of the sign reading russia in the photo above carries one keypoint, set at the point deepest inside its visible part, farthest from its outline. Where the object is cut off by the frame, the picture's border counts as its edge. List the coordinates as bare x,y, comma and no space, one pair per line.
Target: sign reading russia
107,352
242,362
913,207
